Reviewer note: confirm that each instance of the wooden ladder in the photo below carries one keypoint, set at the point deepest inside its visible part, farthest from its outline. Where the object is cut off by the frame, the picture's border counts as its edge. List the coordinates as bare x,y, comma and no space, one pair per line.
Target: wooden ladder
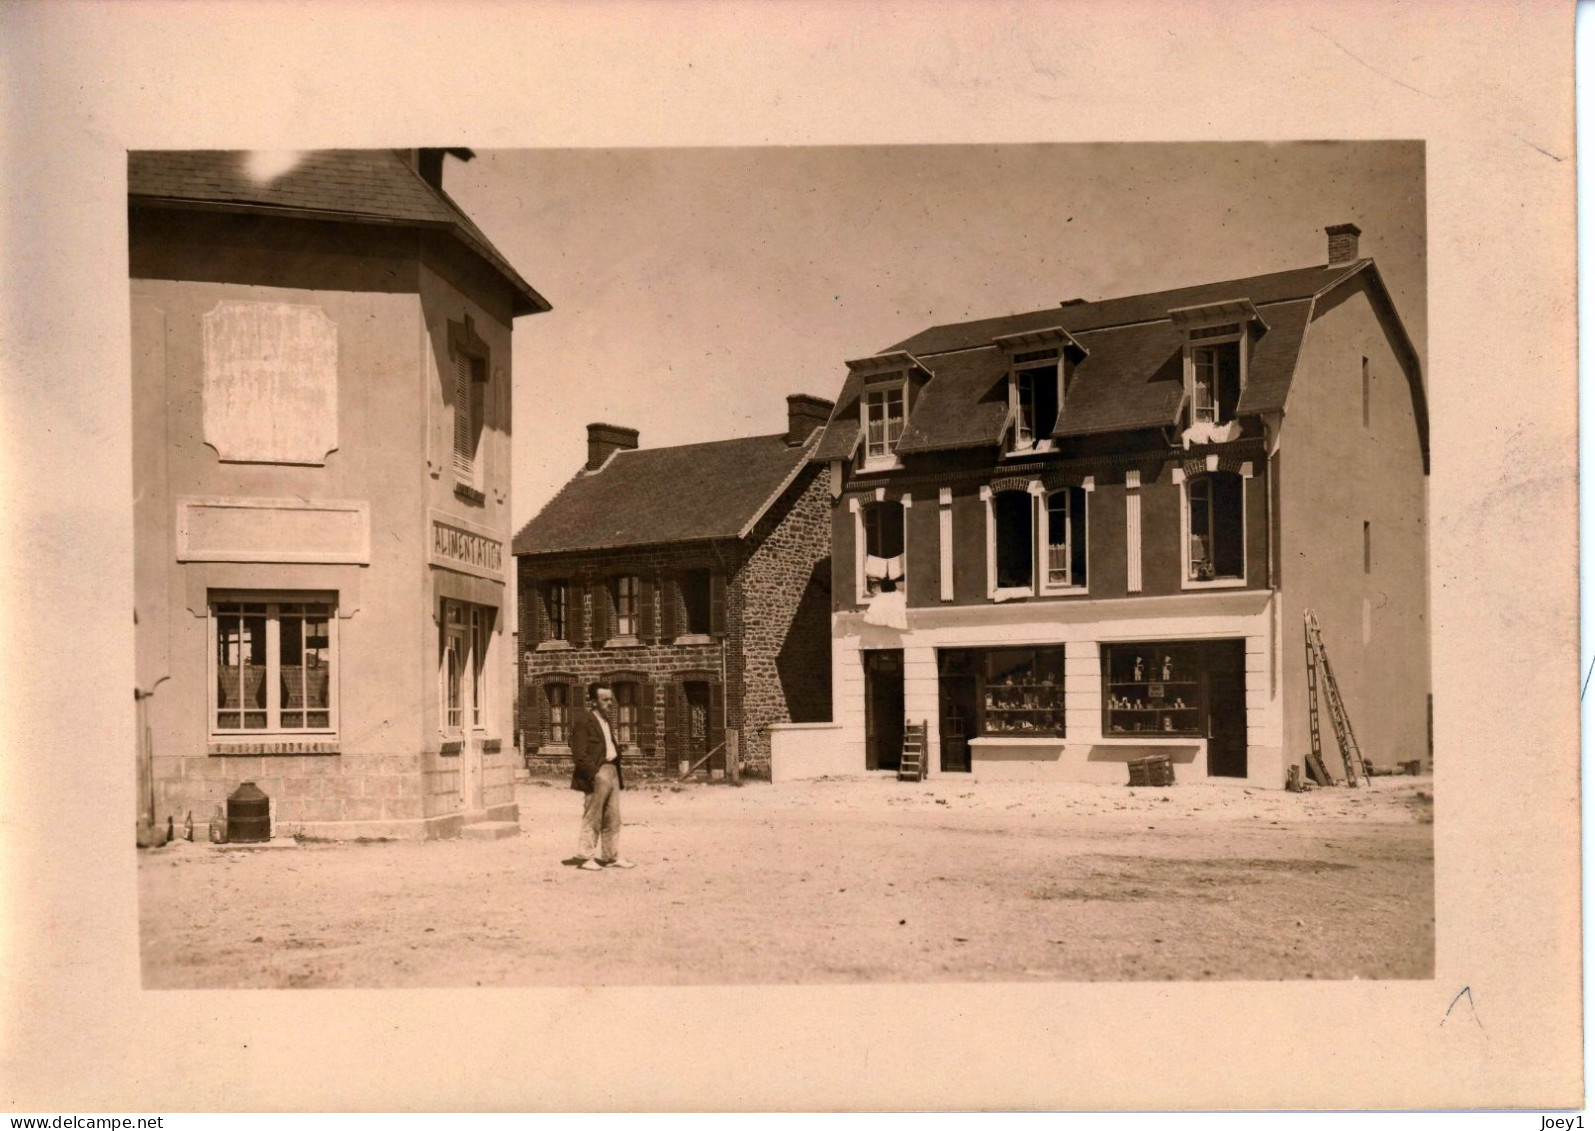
912,765
1345,737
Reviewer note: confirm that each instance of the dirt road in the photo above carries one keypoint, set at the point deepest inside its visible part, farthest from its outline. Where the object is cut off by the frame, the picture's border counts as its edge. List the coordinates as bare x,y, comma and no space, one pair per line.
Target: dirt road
830,881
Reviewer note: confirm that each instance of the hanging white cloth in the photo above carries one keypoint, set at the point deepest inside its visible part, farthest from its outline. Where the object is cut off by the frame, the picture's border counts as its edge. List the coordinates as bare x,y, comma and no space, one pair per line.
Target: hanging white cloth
889,610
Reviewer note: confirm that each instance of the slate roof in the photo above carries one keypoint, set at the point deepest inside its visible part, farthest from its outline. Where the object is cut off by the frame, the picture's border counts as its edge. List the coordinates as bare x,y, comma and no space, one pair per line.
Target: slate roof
1131,377
359,185
652,496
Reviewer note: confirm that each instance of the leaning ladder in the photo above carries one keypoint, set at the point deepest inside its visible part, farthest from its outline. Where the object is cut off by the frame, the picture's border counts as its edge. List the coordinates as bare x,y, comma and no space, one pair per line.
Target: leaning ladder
912,765
1345,738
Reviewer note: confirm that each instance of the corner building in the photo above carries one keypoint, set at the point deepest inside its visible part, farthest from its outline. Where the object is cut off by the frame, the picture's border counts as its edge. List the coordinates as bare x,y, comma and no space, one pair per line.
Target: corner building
1072,537
321,397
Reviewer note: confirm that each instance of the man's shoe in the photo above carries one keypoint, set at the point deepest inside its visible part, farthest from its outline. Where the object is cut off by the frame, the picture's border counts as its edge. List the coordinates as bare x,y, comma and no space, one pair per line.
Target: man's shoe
619,864
574,861
592,866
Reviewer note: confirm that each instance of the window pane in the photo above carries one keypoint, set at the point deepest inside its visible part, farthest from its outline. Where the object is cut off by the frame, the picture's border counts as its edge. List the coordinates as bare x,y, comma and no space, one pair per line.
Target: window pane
1228,545
1058,538
1014,539
1201,549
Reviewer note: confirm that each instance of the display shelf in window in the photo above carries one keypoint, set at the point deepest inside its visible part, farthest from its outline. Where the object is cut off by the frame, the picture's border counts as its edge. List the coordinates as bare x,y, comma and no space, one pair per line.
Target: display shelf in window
1153,689
1022,692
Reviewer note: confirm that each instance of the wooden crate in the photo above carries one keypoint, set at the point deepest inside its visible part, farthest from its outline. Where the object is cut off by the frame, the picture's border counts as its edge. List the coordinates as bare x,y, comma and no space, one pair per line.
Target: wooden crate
1154,769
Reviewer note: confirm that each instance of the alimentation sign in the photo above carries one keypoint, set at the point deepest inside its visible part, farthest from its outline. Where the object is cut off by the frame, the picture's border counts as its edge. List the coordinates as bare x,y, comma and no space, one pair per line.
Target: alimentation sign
457,546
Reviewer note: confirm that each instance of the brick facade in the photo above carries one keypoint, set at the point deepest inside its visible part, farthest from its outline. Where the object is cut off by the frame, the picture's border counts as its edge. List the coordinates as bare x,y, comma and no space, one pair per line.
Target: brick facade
765,656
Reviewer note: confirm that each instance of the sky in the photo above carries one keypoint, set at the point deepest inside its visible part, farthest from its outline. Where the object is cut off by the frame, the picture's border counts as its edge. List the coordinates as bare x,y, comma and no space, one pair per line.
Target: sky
693,289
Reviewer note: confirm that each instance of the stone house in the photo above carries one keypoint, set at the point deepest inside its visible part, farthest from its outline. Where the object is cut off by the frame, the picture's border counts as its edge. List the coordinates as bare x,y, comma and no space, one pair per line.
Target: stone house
321,399
696,580
1072,537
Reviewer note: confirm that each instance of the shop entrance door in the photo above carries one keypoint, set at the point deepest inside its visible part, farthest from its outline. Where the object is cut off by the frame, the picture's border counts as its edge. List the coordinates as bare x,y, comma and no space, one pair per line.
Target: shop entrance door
883,709
957,721
1226,708
460,676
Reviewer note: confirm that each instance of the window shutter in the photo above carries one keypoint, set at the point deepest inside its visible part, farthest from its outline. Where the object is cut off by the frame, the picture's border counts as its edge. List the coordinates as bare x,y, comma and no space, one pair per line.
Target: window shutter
532,616
645,716
717,604
600,592
673,741
544,715
717,718
646,627
463,453
668,616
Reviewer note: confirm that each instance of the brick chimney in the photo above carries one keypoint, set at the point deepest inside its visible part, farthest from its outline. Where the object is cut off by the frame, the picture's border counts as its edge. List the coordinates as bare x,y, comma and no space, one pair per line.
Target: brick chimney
1342,243
803,415
429,162
604,440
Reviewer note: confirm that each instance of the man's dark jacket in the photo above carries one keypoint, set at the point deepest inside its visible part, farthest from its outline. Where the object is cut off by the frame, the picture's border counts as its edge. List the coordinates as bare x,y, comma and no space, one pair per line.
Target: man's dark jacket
587,749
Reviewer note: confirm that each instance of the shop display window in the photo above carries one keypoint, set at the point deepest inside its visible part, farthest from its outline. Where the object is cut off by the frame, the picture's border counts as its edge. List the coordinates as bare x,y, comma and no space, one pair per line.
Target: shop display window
1021,691
1151,688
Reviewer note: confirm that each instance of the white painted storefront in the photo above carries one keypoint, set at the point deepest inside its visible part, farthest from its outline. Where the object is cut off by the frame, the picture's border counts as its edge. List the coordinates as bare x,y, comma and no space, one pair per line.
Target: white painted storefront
1084,752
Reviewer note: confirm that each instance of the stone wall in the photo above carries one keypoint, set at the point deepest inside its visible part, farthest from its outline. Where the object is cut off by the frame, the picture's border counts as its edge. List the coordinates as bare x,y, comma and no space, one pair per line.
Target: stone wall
783,629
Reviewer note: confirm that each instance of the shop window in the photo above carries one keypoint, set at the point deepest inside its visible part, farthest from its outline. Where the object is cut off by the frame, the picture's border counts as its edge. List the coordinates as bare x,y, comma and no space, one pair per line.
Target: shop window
275,667
1153,688
1015,540
470,401
882,407
1021,691
695,588
884,556
556,598
1065,539
1033,399
1215,528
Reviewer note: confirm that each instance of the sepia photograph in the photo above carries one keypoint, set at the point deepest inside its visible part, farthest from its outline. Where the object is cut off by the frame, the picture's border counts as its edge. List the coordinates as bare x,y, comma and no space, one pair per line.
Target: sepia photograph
916,575
724,556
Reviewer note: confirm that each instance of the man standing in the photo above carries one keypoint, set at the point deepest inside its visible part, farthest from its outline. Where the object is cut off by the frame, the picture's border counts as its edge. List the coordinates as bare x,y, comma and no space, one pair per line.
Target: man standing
598,775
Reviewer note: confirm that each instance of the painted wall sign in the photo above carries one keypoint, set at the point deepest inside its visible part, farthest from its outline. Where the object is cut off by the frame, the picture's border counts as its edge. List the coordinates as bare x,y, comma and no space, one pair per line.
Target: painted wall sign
456,545
271,382
273,530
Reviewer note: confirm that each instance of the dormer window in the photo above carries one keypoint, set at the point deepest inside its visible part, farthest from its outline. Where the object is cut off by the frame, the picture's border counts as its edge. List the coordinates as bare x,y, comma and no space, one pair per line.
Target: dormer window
1215,373
1218,342
883,421
1040,367
1035,391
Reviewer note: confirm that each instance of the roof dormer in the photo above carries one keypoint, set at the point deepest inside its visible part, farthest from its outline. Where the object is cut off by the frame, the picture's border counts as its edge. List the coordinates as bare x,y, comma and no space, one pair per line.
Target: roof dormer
891,382
1040,368
1218,338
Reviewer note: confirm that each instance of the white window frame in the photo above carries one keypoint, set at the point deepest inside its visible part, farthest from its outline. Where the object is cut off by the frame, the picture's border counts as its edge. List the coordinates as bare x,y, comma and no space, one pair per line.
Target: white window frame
1010,592
862,594
1044,541
883,385
273,600
1202,337
1017,370
1186,581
